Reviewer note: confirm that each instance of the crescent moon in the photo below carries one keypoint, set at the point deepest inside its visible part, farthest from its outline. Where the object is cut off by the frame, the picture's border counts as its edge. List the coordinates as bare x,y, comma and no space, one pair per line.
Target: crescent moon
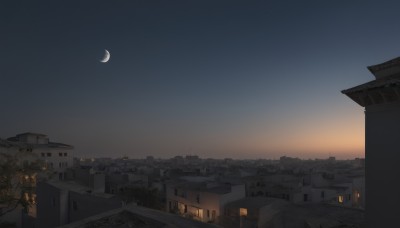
106,57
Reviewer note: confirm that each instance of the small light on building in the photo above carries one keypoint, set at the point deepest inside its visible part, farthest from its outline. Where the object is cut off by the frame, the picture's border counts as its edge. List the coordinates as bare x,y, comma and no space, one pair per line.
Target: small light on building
358,195
243,211
340,199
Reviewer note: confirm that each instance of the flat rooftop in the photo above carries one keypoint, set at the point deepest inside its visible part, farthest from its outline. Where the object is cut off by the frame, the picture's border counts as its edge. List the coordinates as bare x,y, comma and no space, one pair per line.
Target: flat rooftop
256,202
138,217
78,188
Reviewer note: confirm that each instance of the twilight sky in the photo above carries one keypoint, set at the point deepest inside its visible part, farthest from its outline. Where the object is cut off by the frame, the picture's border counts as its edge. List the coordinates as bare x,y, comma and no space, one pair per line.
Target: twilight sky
248,79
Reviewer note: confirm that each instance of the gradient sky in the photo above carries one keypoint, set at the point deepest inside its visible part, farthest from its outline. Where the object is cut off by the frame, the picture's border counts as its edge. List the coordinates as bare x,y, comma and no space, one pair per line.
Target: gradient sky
248,79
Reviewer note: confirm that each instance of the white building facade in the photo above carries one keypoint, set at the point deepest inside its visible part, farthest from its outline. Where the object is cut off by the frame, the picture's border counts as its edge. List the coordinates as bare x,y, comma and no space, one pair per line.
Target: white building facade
57,156
202,202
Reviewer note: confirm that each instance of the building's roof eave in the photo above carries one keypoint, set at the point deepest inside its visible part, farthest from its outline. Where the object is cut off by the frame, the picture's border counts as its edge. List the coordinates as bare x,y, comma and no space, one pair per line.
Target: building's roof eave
32,133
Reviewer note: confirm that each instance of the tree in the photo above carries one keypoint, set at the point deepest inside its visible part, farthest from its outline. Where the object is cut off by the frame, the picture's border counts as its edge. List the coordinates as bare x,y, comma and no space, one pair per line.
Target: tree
17,182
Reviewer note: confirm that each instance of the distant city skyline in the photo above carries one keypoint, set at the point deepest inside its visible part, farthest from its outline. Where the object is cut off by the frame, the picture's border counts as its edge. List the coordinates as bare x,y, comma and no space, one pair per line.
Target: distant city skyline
212,78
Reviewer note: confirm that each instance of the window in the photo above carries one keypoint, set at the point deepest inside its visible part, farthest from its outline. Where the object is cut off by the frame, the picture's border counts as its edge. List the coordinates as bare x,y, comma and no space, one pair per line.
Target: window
243,211
53,201
208,213
200,213
322,194
213,215
43,154
185,208
198,198
65,154
175,191
59,164
305,197
48,154
340,199
60,154
74,205
349,197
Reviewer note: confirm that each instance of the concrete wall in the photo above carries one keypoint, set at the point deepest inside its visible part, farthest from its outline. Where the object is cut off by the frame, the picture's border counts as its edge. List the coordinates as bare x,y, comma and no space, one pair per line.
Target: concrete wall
84,205
268,213
382,138
328,195
95,181
52,206
237,192
359,188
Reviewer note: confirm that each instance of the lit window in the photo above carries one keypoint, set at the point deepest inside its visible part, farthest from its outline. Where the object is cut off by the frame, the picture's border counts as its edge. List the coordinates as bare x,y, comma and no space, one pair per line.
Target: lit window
358,195
340,199
200,213
33,198
243,211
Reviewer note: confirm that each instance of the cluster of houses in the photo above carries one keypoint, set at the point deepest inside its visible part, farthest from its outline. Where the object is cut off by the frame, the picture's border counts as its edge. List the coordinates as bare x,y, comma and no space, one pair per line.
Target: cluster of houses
188,189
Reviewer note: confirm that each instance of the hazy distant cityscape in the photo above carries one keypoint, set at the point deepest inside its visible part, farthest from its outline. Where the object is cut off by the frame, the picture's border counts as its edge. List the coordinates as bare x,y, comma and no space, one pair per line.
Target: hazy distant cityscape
151,192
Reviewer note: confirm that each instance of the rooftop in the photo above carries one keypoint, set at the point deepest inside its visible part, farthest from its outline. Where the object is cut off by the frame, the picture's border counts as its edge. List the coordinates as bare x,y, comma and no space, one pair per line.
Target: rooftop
78,188
386,69
256,202
135,216
384,89
31,133
218,188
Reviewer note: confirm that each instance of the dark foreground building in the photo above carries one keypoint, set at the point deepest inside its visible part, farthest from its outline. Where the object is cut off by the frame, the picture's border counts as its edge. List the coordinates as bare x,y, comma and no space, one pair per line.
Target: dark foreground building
381,99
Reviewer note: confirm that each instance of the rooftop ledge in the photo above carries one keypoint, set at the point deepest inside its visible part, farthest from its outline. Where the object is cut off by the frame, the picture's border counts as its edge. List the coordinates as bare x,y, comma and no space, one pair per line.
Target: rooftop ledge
384,89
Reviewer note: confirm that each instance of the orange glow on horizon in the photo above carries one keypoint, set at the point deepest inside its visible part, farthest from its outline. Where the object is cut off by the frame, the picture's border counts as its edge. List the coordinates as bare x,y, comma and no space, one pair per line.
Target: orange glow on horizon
342,137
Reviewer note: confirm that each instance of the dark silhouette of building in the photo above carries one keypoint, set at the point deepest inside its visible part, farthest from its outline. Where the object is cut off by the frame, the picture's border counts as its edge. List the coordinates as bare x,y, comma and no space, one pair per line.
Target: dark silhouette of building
381,99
